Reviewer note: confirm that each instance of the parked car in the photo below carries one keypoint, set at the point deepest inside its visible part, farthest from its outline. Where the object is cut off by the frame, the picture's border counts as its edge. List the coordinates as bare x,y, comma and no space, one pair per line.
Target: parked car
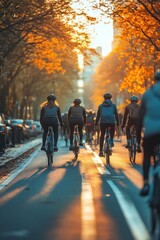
38,127
32,127
22,128
6,131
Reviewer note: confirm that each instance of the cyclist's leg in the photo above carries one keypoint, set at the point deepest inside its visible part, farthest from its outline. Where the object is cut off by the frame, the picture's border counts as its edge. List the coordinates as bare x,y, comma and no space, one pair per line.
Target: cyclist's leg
128,135
112,132
138,134
55,131
44,136
71,131
147,153
102,133
80,127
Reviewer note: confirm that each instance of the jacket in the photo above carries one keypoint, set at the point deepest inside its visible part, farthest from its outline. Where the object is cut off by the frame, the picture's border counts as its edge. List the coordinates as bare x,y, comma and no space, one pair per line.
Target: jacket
107,113
150,111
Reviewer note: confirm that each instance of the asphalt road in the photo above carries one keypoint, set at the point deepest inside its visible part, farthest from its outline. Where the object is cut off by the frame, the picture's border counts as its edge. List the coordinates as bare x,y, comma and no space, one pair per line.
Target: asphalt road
74,200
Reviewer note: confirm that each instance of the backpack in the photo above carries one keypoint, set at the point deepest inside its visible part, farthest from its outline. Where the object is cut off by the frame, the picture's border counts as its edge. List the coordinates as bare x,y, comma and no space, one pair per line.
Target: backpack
134,112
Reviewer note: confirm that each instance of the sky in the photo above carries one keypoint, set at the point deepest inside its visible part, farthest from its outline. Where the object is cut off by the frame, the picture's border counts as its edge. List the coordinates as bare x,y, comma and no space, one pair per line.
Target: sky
103,37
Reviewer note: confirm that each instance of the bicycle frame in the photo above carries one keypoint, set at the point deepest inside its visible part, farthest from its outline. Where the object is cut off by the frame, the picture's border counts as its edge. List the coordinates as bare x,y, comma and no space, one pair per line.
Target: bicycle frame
133,147
76,142
50,146
107,146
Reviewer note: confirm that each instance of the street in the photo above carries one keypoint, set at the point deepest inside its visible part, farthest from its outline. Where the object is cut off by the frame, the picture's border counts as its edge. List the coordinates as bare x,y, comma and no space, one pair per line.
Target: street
75,200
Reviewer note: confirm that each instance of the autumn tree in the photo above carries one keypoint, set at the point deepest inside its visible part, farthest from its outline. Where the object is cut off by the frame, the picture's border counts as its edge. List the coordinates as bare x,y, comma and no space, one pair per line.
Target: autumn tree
40,33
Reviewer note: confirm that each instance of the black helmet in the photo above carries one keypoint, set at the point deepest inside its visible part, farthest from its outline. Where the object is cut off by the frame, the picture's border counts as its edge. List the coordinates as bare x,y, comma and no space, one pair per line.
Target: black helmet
134,98
107,96
157,75
77,101
51,97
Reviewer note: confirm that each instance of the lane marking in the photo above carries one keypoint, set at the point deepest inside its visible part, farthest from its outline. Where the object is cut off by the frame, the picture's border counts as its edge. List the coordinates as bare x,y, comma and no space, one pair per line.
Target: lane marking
18,170
133,219
102,169
87,210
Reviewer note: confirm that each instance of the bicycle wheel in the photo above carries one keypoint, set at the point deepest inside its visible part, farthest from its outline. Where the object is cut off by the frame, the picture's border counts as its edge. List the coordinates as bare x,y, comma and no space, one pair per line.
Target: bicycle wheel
76,149
132,151
50,159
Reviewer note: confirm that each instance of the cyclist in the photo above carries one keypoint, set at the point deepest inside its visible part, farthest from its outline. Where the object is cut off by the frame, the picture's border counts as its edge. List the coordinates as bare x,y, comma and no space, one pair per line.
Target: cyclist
89,124
150,120
49,116
131,115
76,116
108,116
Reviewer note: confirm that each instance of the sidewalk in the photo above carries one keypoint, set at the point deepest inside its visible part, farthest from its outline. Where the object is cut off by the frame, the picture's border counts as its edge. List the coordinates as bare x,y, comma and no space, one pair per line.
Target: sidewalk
18,150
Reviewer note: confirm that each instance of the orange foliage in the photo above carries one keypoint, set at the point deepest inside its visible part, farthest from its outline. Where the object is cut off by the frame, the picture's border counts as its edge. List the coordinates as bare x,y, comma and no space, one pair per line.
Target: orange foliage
48,54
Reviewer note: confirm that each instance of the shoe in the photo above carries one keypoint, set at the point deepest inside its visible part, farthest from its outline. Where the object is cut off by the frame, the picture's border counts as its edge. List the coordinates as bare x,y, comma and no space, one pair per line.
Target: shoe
55,149
71,148
145,190
101,154
139,149
80,144
43,148
112,144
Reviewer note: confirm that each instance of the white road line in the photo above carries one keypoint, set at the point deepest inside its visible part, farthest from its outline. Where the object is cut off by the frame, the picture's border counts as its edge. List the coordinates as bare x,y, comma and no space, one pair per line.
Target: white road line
133,219
99,164
87,210
136,225
18,170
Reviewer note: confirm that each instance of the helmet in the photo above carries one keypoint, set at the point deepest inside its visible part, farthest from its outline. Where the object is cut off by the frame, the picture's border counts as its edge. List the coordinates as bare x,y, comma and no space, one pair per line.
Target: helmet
134,98
157,75
107,96
51,97
77,101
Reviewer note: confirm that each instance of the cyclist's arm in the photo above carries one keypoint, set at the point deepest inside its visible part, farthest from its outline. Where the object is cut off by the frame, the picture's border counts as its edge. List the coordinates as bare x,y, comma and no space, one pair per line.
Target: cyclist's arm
84,115
98,116
116,116
42,116
59,116
126,112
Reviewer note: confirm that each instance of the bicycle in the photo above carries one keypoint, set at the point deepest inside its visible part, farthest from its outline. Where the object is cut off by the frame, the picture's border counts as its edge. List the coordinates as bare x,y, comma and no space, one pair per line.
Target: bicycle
107,149
133,145
49,146
66,135
154,195
75,142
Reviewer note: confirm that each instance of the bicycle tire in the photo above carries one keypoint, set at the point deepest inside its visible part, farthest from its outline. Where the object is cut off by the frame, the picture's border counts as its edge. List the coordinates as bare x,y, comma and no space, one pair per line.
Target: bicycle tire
49,156
132,152
76,148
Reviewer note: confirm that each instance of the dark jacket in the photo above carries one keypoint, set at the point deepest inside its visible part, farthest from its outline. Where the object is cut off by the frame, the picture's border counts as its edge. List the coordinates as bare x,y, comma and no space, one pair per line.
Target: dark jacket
107,113
77,112
56,114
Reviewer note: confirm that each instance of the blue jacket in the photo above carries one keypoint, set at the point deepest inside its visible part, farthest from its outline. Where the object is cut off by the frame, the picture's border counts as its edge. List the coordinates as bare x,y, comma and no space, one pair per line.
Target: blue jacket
107,113
150,111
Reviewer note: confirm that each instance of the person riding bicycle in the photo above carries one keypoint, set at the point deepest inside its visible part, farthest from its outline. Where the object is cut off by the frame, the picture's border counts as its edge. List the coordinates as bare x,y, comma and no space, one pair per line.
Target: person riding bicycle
149,120
107,114
76,116
50,116
89,124
131,115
